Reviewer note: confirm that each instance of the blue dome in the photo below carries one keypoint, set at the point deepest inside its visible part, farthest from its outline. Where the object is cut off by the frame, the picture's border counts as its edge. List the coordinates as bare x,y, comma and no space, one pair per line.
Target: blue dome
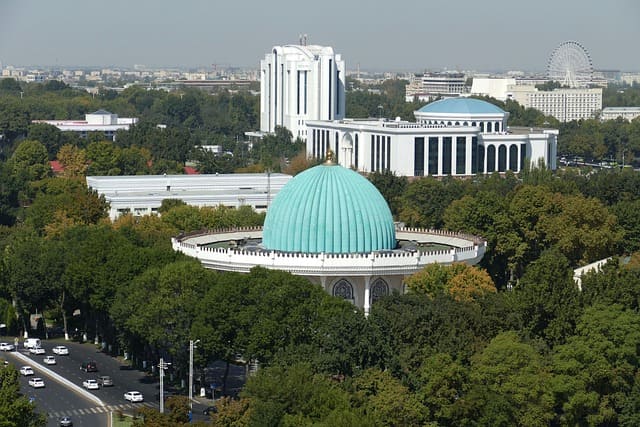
329,209
461,106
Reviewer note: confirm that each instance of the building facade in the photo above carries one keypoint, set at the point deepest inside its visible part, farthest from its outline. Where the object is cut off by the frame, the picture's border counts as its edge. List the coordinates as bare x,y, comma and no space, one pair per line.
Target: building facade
433,85
451,137
563,104
143,194
300,83
626,113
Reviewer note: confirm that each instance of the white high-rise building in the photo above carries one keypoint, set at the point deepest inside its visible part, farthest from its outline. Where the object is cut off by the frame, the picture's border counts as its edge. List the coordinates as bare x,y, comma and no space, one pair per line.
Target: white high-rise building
300,83
563,104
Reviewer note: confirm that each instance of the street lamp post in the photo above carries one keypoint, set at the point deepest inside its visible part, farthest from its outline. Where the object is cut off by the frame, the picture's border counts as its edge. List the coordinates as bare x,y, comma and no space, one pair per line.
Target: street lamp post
192,345
162,367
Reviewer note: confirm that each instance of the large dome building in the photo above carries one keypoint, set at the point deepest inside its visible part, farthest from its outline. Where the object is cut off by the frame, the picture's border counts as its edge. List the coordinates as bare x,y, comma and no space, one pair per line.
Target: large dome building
451,137
333,226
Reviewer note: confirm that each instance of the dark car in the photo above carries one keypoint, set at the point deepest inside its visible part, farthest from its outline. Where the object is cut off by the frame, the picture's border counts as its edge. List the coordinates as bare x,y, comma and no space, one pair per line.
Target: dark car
66,422
210,410
89,366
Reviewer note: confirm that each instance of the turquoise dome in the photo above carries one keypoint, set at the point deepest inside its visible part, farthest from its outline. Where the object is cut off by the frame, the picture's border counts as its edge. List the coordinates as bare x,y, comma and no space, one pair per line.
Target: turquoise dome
329,209
461,106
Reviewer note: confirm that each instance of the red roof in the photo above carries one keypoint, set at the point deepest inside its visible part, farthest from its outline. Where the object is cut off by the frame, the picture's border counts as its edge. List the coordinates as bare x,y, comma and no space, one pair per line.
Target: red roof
56,166
191,170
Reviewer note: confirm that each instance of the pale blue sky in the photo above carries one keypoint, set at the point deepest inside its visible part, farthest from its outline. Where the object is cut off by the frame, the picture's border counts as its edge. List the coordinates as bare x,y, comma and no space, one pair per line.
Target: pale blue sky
407,35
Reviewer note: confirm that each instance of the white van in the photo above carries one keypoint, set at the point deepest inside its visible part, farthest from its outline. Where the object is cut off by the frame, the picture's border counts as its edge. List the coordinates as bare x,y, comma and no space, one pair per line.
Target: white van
32,342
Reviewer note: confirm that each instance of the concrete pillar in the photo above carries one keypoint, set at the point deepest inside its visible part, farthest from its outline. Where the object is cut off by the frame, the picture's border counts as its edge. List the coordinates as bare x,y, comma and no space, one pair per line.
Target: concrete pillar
367,295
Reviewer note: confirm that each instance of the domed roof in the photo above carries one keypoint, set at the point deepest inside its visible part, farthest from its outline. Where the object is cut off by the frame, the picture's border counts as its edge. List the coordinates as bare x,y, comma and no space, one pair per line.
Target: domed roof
329,209
461,106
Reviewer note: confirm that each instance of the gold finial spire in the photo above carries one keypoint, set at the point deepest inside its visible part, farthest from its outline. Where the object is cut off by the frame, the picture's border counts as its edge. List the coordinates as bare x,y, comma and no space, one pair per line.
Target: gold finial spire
330,158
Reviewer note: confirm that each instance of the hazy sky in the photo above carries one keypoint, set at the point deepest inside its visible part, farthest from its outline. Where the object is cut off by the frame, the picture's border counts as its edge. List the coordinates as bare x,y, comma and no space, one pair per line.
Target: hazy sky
411,35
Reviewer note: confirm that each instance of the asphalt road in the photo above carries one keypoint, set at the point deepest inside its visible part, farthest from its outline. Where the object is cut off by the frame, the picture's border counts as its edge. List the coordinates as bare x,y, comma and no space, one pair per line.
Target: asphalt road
57,400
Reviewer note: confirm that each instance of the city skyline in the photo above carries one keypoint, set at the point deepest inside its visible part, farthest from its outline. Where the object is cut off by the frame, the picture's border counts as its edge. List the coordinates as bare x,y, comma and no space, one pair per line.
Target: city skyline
466,35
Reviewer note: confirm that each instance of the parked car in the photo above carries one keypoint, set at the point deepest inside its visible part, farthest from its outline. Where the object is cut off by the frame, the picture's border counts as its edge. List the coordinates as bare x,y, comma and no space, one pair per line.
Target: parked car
49,360
36,382
60,350
5,346
26,370
91,384
105,381
66,422
133,396
37,350
89,366
210,410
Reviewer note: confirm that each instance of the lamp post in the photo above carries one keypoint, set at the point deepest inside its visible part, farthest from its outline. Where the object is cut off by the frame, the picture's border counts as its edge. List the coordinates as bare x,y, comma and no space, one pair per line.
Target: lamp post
162,365
192,345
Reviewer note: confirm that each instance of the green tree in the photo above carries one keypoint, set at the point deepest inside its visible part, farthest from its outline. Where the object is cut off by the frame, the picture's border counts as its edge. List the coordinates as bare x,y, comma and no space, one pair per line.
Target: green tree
597,368
509,385
15,408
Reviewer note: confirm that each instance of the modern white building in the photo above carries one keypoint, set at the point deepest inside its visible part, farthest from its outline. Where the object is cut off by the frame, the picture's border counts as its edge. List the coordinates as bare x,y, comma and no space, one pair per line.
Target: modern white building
451,137
300,83
563,104
143,194
626,113
331,225
98,121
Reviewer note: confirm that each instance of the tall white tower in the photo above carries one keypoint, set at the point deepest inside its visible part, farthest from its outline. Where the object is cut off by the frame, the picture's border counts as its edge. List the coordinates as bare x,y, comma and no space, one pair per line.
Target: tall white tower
300,83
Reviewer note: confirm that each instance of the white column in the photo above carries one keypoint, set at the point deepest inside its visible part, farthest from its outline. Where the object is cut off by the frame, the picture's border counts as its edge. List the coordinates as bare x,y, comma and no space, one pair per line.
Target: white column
508,157
367,295
440,155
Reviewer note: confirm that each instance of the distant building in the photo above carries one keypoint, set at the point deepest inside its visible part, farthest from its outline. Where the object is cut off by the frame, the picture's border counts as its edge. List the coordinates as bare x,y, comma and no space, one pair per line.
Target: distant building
563,104
627,113
98,121
434,85
497,88
300,83
452,137
143,194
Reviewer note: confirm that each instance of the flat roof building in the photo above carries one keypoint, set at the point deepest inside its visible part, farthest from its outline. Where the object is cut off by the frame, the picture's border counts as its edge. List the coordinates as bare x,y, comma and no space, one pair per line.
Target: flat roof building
98,121
143,194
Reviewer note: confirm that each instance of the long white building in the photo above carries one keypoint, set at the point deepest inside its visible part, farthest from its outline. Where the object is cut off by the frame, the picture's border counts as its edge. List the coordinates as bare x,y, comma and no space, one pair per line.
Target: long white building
451,137
99,121
563,104
300,83
143,194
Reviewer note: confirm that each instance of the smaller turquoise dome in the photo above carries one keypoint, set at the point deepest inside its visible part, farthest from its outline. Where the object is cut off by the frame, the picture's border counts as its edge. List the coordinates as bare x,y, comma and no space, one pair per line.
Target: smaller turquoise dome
461,106
329,209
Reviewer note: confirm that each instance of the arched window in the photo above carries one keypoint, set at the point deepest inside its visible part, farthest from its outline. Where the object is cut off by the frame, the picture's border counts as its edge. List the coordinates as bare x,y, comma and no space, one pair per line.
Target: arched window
502,158
379,289
497,127
491,158
489,127
513,158
343,289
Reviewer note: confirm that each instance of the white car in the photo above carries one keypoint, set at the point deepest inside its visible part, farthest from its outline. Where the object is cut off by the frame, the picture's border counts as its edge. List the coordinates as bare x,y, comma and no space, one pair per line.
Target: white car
36,382
133,396
5,346
91,384
49,360
26,370
61,350
37,350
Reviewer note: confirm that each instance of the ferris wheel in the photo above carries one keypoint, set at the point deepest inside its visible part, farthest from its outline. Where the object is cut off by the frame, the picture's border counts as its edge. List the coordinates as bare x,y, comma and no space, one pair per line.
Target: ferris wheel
570,65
